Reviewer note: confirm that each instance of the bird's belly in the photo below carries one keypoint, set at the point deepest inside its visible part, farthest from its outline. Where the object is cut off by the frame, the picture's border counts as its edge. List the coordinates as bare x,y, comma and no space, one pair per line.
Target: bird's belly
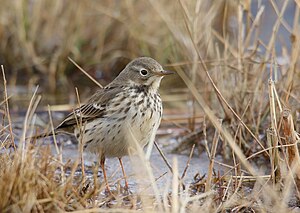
115,137
144,127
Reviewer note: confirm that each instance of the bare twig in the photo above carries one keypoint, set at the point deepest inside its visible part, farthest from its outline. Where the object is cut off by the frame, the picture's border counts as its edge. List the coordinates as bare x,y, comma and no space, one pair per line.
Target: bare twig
212,160
7,108
188,162
163,157
81,142
58,150
272,133
88,75
31,109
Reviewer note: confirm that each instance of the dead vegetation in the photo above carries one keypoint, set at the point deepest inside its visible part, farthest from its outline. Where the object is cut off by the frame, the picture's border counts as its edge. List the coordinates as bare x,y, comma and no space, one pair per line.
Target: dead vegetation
241,101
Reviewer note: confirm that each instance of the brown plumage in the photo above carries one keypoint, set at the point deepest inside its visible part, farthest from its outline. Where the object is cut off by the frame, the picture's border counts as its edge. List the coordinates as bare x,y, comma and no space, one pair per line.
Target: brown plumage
126,111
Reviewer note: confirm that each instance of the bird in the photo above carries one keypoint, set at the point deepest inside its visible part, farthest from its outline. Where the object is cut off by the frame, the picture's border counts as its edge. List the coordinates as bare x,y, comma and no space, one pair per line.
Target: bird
119,116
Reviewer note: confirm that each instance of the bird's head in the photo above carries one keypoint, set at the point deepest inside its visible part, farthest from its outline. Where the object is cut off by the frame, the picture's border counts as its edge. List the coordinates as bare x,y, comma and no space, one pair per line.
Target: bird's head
143,71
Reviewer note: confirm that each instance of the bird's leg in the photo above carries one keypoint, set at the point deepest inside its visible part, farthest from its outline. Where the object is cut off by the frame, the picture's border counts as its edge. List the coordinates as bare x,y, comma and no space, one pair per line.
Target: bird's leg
107,189
124,174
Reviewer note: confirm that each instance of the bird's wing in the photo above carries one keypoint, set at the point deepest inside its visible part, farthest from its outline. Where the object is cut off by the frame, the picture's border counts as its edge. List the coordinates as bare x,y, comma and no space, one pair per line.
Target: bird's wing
94,108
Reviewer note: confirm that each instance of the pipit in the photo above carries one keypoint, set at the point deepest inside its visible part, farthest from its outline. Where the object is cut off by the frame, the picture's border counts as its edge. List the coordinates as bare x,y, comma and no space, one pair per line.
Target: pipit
122,115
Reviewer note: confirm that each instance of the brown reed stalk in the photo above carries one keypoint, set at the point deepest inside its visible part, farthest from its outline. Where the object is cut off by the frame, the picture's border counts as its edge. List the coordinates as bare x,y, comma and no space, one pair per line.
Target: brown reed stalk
291,139
7,109
272,137
213,153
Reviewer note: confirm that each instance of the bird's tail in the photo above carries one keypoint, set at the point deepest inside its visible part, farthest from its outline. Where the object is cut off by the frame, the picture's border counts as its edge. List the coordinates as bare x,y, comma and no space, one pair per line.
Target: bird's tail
56,131
42,135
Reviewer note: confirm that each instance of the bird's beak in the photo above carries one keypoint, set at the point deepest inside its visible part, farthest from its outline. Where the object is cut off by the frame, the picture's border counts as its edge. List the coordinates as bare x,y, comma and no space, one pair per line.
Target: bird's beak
165,72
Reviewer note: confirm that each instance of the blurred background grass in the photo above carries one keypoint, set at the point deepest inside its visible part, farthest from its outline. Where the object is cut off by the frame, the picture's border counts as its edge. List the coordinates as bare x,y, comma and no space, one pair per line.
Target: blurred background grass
242,43
102,36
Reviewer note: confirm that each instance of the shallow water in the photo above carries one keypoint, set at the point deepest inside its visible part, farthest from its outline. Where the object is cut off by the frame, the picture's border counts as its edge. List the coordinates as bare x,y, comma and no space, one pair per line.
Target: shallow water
135,168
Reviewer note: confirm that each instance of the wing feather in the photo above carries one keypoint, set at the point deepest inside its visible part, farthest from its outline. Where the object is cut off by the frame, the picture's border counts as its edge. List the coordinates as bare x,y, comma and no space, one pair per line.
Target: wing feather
94,108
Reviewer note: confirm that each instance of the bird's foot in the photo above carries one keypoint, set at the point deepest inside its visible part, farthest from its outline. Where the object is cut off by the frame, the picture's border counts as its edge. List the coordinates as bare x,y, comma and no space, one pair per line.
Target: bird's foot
125,190
107,191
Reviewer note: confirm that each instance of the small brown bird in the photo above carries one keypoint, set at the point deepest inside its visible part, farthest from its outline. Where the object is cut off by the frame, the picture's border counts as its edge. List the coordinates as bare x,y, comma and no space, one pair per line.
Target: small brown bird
125,112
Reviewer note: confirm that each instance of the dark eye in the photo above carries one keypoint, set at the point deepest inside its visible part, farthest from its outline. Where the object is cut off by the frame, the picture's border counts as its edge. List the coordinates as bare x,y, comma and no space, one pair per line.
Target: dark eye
143,72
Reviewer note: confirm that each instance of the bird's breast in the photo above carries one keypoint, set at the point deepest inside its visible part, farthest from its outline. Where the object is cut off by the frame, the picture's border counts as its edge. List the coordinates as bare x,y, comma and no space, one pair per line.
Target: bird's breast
131,118
138,115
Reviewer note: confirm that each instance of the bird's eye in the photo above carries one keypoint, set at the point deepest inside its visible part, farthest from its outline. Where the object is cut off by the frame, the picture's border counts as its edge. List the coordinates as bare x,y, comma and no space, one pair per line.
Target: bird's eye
143,72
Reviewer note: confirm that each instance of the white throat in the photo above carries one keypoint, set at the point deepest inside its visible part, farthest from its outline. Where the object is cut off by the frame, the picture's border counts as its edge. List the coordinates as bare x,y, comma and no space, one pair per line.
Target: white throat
154,83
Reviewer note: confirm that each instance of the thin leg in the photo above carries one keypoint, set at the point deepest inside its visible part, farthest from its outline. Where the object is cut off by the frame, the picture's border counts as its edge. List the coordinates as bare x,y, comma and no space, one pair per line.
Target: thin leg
104,174
124,174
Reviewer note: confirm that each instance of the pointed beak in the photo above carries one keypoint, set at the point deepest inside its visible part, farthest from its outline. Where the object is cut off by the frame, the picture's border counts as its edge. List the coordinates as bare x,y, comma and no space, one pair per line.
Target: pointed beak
165,72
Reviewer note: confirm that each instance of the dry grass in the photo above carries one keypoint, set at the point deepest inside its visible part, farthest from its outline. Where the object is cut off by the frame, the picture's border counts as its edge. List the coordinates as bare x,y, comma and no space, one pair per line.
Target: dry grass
237,83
